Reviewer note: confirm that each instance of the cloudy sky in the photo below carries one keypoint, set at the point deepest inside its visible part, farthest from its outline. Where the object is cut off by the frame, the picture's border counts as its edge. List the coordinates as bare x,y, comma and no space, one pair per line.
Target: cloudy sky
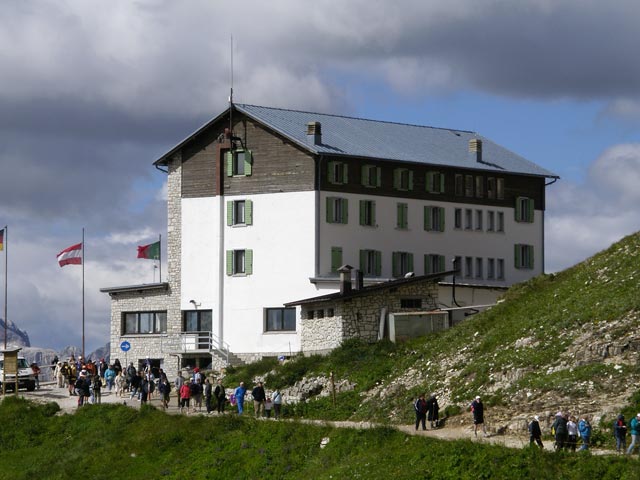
93,92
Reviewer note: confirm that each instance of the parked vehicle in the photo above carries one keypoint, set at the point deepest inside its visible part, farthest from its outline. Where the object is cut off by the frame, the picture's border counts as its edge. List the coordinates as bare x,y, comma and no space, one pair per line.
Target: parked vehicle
25,376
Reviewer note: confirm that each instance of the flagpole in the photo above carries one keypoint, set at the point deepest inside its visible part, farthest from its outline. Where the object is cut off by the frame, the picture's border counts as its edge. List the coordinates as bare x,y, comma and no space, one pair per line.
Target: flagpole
160,256
6,278
83,259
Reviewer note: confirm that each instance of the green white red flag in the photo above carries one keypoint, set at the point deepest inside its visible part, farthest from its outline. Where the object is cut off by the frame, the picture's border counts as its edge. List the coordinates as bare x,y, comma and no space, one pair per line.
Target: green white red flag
151,251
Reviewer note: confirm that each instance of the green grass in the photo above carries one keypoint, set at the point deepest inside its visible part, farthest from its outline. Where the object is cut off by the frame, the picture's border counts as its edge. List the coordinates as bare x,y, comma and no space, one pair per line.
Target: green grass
114,441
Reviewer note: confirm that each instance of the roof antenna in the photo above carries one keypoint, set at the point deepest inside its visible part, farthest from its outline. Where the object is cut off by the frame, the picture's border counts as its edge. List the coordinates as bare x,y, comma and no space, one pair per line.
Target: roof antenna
231,98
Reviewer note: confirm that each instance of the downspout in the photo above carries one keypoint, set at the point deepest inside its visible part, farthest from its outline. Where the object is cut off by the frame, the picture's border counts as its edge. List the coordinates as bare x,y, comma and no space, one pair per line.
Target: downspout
318,215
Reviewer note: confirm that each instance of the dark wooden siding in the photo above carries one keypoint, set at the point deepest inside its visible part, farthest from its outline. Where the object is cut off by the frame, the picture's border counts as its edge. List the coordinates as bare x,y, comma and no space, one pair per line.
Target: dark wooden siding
199,165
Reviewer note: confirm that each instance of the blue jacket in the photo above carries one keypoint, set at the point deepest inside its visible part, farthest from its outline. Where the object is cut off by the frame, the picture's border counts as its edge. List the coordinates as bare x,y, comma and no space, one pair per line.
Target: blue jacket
584,428
634,426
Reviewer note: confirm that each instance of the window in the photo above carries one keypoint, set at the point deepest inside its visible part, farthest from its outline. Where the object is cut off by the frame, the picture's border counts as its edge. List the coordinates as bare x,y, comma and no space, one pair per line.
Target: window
433,263
402,263
337,173
371,262
144,322
336,259
240,212
457,218
434,219
368,213
500,188
371,176
330,312
435,182
479,269
319,313
410,303
479,220
337,210
491,221
468,219
523,256
459,187
500,226
239,163
281,319
403,179
239,262
491,268
197,321
468,185
468,267
491,188
479,187
500,269
403,214
457,264
524,209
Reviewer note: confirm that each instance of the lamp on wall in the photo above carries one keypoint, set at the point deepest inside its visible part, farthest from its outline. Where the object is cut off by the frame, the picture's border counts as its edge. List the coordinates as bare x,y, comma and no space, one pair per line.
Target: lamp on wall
195,305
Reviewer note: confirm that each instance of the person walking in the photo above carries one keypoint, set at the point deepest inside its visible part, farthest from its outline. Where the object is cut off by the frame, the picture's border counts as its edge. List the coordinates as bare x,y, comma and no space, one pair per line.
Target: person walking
208,393
620,433
572,433
420,407
535,433
109,377
560,427
239,396
179,381
433,410
184,395
277,403
221,396
634,429
165,391
477,408
584,427
259,397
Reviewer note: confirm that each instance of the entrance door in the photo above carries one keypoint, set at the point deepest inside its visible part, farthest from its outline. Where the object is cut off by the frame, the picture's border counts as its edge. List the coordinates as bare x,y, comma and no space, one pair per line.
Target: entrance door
199,322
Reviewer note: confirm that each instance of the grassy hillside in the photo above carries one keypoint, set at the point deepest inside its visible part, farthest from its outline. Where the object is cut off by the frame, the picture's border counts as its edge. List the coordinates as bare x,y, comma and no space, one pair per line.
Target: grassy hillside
563,341
117,442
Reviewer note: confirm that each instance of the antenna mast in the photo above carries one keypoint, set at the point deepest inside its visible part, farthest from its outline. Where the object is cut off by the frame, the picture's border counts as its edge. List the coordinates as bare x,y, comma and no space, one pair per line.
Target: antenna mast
231,98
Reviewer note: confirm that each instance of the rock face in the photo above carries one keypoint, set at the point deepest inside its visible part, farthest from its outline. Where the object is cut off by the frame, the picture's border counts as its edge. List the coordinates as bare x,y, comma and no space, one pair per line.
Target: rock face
15,336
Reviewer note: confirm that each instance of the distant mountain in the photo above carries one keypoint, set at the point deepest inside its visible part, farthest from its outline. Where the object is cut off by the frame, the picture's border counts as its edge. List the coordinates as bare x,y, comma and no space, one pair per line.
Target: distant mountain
15,336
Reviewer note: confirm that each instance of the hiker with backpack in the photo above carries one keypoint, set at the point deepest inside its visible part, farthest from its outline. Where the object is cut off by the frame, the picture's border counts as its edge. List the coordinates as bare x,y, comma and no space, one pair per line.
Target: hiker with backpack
420,407
620,433
634,429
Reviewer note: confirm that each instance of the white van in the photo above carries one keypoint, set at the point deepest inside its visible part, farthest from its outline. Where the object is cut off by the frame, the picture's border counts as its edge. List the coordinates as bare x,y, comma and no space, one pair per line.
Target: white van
25,376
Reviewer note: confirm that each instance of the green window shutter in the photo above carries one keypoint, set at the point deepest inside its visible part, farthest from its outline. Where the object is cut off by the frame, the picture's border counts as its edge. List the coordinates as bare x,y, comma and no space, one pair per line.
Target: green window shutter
530,265
403,209
248,262
363,260
396,178
229,213
345,173
516,252
427,218
248,162
518,211
336,259
441,219
441,266
229,156
395,264
331,166
410,174
378,176
344,210
248,212
530,210
364,176
378,259
410,258
363,211
442,183
427,265
373,214
429,182
229,262
330,209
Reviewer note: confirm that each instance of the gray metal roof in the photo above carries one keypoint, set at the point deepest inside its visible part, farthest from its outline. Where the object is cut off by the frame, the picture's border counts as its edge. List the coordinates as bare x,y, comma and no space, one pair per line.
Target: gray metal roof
392,141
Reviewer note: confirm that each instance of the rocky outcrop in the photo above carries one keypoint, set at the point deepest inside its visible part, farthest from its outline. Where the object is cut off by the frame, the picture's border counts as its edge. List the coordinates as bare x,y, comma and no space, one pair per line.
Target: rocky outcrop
15,336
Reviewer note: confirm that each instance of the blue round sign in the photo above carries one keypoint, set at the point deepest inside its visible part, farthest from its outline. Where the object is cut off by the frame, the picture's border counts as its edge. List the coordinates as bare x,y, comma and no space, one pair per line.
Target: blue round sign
125,346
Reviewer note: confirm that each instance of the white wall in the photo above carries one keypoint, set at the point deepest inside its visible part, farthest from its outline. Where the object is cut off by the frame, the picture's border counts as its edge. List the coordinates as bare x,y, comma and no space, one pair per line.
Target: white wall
386,238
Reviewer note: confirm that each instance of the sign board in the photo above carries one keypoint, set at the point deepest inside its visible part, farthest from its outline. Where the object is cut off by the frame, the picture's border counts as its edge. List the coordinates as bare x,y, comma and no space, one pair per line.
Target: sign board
125,346
11,363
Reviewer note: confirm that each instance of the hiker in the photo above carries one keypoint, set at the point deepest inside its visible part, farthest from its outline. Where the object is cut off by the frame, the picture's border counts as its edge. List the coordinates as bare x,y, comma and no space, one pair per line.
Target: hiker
477,408
420,407
109,376
239,396
268,406
259,397
165,391
432,411
35,369
572,433
584,427
184,395
620,433
560,428
196,394
208,391
179,381
535,433
221,396
277,403
120,382
96,392
59,375
634,430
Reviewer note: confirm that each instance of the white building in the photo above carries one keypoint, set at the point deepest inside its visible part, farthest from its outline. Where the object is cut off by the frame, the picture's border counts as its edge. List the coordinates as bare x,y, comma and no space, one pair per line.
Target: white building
265,212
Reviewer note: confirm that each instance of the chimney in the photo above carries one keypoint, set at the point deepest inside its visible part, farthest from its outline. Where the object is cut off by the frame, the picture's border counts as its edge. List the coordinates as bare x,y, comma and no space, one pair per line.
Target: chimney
358,279
314,133
345,279
475,149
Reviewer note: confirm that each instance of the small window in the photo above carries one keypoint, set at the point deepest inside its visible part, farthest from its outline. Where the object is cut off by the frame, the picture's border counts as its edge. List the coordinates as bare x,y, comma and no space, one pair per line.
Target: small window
491,268
500,269
523,256
479,220
371,176
524,210
309,315
402,263
319,313
239,262
330,312
337,210
368,213
457,218
433,263
479,269
435,182
479,187
239,163
239,212
410,303
336,259
281,319
434,219
403,216
468,267
500,224
491,221
459,187
371,262
337,173
403,179
491,188
144,323
468,186
500,188
468,219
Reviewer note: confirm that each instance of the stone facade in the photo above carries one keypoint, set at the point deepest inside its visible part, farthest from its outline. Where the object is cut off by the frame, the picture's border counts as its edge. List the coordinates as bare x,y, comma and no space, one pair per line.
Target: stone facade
359,316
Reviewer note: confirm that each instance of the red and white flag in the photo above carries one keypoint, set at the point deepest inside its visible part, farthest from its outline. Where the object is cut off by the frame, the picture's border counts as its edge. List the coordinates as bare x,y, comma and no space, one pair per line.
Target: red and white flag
71,255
